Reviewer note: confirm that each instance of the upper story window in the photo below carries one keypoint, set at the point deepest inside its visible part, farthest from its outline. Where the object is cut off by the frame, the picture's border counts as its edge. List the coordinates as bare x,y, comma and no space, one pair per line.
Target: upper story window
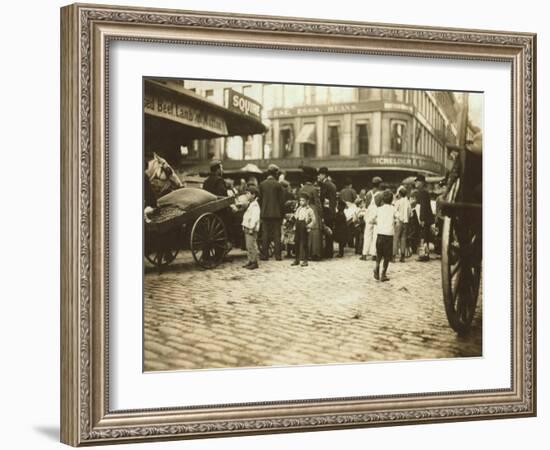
287,140
362,136
398,136
334,139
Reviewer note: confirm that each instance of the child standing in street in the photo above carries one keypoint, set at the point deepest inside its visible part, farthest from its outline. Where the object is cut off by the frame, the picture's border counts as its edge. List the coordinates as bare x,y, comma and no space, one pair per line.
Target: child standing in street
368,213
305,221
385,217
251,227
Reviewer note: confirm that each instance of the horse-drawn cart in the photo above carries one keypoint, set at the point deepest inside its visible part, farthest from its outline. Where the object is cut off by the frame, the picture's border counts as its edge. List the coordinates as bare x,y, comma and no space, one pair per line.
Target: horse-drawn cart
461,240
201,228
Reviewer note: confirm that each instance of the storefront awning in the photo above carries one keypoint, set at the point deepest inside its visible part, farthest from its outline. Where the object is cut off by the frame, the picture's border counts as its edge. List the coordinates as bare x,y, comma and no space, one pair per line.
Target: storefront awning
190,116
307,134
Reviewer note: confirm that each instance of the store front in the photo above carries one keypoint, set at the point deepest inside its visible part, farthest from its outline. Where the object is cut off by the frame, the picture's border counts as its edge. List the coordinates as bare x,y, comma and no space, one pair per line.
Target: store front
174,118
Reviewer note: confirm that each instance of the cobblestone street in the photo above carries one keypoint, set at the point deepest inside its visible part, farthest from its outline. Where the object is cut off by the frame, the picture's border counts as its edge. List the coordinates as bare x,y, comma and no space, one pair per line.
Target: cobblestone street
330,312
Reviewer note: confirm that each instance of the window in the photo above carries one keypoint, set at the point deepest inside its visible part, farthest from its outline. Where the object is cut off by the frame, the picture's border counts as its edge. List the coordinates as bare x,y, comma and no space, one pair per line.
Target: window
362,135
287,141
418,137
209,93
334,140
247,147
398,133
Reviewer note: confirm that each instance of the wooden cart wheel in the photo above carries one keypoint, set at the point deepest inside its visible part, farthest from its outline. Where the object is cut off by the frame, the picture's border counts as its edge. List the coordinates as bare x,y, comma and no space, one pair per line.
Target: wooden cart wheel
460,267
208,240
163,252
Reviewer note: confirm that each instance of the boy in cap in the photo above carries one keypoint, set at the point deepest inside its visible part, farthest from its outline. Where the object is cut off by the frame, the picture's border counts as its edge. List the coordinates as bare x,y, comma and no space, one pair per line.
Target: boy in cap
305,221
251,227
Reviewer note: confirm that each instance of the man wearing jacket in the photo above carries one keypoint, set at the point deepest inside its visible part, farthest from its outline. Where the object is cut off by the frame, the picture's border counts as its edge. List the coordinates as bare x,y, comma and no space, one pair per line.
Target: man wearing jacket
215,183
271,212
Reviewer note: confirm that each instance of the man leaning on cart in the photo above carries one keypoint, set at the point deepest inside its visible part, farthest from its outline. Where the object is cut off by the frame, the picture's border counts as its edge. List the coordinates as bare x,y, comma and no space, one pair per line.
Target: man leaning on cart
215,183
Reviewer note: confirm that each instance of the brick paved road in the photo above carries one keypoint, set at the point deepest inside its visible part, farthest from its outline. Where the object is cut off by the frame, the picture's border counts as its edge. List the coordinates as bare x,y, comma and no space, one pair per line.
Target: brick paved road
330,312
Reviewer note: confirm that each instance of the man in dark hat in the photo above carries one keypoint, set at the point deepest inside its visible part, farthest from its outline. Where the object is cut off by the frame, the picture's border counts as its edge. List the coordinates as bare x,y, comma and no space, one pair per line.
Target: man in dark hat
272,205
328,202
425,218
215,183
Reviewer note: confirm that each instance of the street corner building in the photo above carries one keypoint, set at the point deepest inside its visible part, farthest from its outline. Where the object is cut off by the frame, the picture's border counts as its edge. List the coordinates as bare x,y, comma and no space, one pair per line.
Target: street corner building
358,132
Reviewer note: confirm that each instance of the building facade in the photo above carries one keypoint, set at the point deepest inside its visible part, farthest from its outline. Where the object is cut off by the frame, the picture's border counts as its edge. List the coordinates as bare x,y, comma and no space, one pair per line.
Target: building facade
356,132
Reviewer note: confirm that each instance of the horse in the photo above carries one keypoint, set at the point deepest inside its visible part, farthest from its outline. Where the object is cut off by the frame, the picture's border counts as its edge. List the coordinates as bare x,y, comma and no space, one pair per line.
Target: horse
162,177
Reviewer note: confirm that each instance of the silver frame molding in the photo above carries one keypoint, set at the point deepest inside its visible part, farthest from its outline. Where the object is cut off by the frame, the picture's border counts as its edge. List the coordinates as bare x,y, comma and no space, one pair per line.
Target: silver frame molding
86,32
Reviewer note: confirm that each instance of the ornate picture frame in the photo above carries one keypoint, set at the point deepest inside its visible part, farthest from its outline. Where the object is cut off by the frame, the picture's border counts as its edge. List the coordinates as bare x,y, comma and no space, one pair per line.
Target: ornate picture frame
86,34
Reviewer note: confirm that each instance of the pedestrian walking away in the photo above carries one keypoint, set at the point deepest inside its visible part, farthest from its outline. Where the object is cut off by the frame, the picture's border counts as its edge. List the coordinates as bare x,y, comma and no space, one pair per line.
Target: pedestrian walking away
384,241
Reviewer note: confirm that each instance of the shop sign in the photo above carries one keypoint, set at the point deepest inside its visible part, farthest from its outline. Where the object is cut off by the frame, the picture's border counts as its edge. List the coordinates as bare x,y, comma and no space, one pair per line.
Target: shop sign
338,108
176,110
406,161
243,104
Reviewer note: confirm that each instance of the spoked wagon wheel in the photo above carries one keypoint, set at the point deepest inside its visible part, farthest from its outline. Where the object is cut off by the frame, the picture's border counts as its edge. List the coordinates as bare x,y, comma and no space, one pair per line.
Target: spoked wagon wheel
209,240
460,266
162,251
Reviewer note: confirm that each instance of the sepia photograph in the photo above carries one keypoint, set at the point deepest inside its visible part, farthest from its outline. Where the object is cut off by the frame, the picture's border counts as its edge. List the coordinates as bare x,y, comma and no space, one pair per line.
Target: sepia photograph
291,225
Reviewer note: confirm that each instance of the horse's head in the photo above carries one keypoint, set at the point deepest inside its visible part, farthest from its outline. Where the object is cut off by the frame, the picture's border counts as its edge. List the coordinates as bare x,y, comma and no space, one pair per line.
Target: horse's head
158,169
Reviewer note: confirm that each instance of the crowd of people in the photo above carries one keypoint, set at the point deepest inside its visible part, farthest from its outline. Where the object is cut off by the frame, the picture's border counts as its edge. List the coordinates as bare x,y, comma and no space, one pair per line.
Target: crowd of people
305,221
